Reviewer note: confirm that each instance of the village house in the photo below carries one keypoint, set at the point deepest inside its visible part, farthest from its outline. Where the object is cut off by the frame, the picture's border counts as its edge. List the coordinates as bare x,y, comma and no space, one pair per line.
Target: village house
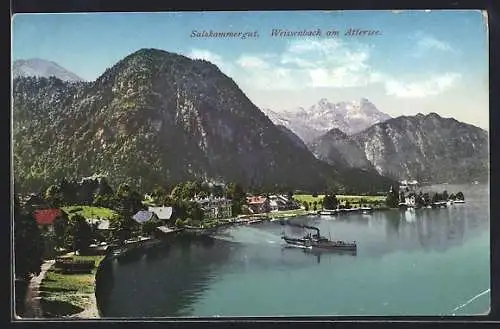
143,216
410,200
258,204
214,207
281,202
47,220
101,224
162,213
407,186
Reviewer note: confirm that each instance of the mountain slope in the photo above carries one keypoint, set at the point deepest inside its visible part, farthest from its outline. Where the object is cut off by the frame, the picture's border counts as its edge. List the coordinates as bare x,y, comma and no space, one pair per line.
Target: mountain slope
42,68
311,123
337,148
158,118
293,137
427,148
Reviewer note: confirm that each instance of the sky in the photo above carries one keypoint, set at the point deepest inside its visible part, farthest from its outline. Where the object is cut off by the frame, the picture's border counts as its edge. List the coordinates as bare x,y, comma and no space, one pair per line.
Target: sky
417,62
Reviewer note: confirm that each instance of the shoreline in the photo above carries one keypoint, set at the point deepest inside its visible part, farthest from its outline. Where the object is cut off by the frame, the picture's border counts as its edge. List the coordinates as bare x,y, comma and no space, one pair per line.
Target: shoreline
91,310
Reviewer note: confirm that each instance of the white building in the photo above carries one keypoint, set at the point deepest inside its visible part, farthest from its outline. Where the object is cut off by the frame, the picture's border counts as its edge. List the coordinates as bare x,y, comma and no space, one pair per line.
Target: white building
406,185
410,200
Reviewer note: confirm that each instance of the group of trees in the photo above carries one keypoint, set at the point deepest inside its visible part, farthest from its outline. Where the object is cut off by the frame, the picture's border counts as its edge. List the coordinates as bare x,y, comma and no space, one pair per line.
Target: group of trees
310,205
72,192
28,243
445,196
394,197
127,201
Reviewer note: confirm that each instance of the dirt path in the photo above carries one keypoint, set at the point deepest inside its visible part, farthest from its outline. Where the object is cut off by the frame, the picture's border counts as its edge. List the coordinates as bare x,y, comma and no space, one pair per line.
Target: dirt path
33,308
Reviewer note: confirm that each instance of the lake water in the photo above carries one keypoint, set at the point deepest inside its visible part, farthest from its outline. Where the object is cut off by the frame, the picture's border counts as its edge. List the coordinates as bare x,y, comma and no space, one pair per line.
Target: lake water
429,262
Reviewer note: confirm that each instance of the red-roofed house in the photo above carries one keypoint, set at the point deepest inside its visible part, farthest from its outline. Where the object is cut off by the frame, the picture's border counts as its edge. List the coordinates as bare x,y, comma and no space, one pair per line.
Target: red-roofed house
48,220
45,217
258,204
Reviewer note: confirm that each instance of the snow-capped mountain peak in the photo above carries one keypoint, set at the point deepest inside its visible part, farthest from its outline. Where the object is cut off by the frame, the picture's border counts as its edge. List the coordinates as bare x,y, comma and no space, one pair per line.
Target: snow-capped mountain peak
349,117
42,68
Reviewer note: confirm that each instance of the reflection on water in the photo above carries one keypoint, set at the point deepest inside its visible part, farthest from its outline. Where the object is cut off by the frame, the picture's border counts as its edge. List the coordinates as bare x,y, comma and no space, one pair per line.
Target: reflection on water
170,279
162,281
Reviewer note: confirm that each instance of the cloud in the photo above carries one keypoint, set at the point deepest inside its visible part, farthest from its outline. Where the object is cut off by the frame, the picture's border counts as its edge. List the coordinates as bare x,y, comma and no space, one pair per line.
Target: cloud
425,43
433,85
328,63
205,54
212,58
317,63
252,62
429,42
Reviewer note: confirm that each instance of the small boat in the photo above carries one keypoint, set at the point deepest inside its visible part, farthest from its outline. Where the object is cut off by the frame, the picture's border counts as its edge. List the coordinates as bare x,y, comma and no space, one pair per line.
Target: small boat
439,204
327,212
316,241
366,210
459,201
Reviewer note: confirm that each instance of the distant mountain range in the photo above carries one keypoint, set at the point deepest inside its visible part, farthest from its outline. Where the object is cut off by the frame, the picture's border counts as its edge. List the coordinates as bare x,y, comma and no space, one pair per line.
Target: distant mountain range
157,118
42,68
428,148
348,117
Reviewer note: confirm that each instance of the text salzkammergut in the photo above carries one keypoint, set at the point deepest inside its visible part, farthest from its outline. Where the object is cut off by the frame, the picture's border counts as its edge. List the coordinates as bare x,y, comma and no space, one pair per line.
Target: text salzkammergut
212,34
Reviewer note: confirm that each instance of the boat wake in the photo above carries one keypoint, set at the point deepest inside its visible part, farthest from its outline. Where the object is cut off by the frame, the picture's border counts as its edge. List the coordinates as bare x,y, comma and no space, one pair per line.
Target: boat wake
248,235
470,300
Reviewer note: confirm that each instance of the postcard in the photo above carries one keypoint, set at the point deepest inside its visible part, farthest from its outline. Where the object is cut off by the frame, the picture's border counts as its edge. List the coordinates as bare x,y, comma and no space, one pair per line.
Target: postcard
173,165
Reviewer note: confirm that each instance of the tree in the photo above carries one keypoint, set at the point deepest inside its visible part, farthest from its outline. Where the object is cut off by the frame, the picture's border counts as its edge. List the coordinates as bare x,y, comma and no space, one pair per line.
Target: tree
68,191
314,194
235,192
306,205
197,187
177,192
159,195
81,232
452,196
460,196
237,195
419,200
60,230
104,188
106,201
205,188
129,202
218,191
189,190
436,197
427,199
54,196
445,195
179,222
28,245
315,205
330,202
194,211
149,226
392,199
